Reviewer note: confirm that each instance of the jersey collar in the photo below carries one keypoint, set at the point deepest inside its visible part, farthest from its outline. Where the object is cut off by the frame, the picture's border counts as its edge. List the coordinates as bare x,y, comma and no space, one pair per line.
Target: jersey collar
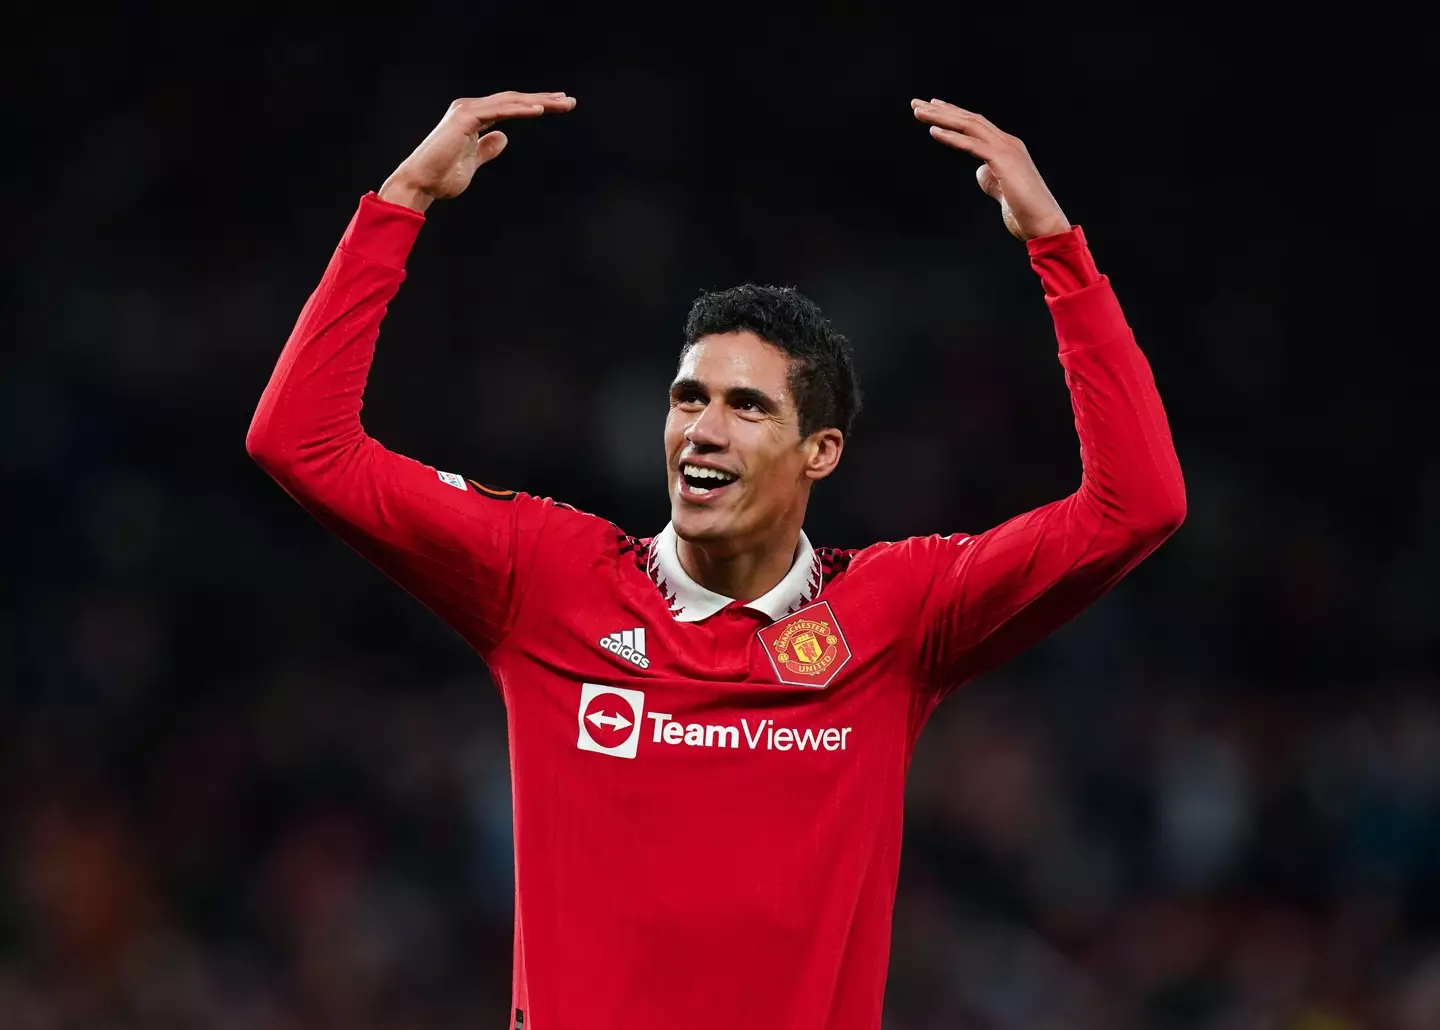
690,602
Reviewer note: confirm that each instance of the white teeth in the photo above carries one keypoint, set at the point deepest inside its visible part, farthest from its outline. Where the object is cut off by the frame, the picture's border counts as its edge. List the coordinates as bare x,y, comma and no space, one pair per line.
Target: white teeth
699,490
700,472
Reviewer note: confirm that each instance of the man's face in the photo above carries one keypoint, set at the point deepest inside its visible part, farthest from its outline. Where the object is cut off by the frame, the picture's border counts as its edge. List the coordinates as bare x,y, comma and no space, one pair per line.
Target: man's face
736,464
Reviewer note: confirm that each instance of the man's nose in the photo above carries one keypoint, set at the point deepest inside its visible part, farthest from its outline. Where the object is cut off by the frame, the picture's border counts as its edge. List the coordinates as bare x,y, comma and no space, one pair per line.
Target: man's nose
708,429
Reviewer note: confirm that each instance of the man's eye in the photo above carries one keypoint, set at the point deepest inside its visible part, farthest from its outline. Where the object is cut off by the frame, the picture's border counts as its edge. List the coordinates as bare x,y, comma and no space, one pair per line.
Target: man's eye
688,399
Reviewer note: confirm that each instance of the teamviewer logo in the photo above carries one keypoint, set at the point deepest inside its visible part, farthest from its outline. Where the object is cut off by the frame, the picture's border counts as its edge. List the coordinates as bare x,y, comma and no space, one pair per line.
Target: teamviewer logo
610,720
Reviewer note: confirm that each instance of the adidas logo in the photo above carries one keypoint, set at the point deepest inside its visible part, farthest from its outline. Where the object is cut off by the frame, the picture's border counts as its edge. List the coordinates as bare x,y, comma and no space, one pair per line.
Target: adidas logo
628,644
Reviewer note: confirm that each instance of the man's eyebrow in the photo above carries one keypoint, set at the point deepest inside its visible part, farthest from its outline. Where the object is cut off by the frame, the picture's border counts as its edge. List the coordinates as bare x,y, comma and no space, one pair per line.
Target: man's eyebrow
681,385
738,395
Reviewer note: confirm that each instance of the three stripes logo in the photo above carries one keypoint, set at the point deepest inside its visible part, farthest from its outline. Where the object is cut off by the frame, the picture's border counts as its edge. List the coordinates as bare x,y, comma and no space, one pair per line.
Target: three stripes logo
628,645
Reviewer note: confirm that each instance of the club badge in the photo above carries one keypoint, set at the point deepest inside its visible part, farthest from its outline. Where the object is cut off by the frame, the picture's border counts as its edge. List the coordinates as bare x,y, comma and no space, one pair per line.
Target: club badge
806,649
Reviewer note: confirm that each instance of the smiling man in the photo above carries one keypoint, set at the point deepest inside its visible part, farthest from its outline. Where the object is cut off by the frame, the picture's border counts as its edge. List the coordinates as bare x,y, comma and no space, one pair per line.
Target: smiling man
710,728
758,412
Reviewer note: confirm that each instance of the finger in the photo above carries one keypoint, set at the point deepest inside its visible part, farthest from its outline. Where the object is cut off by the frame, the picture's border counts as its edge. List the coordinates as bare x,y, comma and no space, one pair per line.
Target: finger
490,146
973,114
948,117
486,115
525,108
987,182
526,98
991,185
517,106
937,102
554,102
477,121
960,118
961,141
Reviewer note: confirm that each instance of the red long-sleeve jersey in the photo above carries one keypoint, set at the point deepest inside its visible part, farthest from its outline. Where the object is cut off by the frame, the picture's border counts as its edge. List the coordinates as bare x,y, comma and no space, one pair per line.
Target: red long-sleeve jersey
708,793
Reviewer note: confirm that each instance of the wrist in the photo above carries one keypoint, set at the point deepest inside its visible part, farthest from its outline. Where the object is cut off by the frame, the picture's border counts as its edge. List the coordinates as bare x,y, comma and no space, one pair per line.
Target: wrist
398,191
1050,228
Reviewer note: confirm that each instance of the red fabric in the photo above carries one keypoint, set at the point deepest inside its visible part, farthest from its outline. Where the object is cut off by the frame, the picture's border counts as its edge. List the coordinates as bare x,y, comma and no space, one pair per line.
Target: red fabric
711,848
1063,261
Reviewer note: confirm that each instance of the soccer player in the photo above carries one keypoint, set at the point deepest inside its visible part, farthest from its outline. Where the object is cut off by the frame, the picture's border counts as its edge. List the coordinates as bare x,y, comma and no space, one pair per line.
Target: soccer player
709,728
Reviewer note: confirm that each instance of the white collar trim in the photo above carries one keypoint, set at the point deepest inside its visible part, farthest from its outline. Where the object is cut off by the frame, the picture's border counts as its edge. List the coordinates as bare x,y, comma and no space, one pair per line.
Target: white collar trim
691,602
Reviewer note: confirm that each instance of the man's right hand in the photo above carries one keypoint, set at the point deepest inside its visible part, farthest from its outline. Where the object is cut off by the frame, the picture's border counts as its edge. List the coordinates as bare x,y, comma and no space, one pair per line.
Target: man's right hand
444,163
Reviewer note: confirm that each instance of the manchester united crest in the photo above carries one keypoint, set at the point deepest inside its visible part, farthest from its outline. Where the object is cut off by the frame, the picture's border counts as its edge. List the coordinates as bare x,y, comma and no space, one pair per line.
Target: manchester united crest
806,649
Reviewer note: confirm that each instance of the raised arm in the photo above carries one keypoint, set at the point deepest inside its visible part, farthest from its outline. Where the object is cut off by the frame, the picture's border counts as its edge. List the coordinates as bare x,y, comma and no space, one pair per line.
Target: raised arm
452,544
994,594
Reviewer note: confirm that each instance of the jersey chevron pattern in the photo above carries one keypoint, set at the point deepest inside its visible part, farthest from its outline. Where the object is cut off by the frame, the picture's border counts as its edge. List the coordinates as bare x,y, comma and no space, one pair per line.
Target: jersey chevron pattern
708,794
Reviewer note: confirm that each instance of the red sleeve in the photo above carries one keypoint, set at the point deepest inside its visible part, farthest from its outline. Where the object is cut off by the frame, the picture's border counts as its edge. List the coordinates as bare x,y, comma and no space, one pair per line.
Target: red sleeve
990,596
458,549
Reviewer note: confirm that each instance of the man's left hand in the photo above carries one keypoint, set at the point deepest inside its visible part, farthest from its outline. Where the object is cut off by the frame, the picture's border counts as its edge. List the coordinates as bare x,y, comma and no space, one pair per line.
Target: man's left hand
1008,174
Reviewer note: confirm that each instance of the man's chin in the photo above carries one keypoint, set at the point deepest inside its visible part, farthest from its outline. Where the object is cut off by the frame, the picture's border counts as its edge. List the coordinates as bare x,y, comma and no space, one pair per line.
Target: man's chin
699,525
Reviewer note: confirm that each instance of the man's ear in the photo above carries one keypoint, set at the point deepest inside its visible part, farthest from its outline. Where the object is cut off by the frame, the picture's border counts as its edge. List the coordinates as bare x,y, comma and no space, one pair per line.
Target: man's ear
822,452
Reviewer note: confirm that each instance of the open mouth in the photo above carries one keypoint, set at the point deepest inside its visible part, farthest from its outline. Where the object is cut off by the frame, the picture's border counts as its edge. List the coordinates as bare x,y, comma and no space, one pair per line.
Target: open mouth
703,482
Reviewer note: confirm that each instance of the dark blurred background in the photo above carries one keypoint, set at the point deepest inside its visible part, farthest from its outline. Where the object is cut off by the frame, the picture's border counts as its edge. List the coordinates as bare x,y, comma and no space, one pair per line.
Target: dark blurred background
250,785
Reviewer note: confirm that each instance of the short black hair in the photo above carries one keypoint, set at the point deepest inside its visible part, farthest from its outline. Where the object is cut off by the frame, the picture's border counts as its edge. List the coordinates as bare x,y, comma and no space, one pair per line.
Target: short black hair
822,373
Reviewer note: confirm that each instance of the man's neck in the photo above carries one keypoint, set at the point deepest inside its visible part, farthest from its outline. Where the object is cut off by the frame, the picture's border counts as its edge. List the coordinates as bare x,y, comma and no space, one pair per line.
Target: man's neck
744,574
